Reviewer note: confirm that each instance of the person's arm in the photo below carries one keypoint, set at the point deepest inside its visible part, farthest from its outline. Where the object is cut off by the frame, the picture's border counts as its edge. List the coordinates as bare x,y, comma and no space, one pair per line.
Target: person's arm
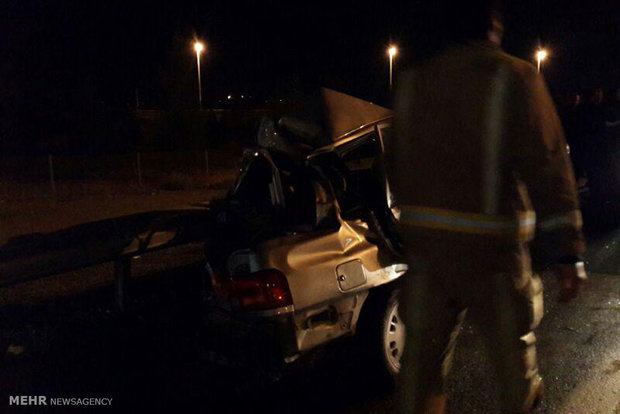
543,164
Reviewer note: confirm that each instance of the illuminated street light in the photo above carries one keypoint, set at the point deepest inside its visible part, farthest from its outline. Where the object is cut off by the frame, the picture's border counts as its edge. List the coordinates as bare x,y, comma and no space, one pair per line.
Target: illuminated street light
199,47
541,55
392,51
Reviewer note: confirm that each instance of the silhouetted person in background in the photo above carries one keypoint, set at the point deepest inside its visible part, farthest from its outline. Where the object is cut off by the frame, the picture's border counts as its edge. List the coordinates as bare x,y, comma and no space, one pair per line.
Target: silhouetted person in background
612,122
572,121
612,115
597,156
478,162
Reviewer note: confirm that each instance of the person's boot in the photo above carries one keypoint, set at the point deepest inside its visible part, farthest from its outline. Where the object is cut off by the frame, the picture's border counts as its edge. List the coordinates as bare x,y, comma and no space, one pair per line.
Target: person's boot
435,404
538,394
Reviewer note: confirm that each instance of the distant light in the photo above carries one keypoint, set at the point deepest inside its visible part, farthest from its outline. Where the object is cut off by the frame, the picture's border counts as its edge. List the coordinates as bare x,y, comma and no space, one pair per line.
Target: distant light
392,51
242,96
229,97
541,55
199,47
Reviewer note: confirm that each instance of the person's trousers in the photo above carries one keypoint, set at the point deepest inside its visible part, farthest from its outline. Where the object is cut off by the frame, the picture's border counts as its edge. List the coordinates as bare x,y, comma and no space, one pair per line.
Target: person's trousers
497,289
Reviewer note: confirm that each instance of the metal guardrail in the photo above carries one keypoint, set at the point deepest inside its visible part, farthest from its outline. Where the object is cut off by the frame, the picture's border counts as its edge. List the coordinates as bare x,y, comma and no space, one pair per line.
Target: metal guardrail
36,256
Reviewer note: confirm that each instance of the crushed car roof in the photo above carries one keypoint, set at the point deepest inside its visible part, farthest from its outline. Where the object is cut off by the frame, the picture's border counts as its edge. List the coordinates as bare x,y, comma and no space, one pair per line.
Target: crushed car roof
329,115
346,113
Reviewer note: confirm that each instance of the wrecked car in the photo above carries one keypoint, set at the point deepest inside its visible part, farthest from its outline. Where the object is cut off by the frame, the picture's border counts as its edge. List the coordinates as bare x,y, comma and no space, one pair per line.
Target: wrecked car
307,252
301,252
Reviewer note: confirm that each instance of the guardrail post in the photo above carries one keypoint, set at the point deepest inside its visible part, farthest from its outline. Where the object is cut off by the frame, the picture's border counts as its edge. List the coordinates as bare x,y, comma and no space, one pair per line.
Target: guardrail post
50,163
207,166
139,169
122,272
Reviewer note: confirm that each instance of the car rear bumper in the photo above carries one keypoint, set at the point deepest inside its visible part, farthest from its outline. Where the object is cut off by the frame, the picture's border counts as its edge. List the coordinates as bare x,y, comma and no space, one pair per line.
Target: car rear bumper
252,339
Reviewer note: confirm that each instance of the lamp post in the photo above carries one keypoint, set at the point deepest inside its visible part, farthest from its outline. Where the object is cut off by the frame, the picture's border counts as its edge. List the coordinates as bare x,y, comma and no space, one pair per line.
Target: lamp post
541,54
199,47
392,51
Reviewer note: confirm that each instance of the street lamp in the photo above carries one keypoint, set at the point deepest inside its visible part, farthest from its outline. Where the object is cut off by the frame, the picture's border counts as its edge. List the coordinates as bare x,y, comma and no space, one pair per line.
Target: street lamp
392,51
199,47
541,54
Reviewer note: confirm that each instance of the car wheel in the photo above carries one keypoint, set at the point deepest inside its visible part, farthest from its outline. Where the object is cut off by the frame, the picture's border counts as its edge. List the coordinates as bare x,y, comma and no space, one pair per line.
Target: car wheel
382,335
392,336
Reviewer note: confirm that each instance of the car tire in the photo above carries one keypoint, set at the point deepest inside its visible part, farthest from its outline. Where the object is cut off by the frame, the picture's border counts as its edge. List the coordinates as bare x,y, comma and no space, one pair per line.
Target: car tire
382,335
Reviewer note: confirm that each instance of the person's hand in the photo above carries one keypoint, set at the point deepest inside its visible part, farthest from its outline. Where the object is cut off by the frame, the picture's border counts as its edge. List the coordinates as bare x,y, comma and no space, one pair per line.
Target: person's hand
571,278
582,181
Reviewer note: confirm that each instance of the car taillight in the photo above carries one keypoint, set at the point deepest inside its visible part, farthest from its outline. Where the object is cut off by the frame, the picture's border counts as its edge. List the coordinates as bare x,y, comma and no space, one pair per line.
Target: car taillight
266,289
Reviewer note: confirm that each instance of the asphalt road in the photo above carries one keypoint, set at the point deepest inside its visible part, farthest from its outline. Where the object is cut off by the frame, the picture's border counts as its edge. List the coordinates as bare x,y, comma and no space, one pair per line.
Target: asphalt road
58,343
578,348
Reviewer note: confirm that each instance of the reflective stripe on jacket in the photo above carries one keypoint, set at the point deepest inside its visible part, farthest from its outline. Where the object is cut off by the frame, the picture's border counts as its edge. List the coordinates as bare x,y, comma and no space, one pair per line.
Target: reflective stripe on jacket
520,228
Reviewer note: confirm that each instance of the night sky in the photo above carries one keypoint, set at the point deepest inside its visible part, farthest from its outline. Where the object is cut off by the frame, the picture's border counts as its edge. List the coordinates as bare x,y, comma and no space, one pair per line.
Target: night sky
265,49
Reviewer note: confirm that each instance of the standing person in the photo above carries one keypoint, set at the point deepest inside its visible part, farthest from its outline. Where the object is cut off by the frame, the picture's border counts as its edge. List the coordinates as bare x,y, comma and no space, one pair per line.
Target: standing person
597,152
478,162
612,115
572,123
612,122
